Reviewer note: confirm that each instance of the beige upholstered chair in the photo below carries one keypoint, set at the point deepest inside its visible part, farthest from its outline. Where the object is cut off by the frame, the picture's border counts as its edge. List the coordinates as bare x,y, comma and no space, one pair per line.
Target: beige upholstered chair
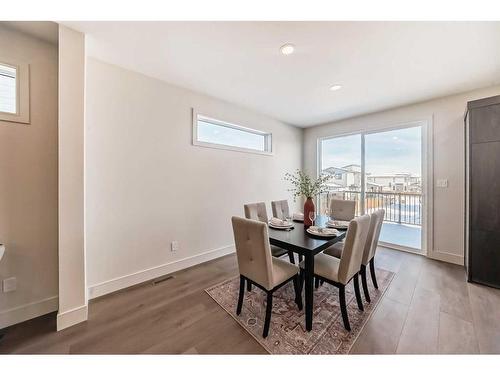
339,272
258,267
342,209
258,211
280,209
376,220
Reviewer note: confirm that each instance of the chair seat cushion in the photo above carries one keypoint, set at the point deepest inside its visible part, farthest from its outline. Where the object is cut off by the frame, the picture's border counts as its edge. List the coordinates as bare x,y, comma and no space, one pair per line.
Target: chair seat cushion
335,250
326,266
278,251
283,271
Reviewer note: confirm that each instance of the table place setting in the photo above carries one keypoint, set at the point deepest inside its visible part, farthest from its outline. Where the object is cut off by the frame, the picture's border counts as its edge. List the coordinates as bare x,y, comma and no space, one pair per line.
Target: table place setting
337,224
298,216
284,224
322,232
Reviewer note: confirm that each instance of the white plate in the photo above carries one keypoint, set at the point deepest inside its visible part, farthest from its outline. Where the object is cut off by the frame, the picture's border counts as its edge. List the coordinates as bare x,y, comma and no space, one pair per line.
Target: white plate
281,226
308,230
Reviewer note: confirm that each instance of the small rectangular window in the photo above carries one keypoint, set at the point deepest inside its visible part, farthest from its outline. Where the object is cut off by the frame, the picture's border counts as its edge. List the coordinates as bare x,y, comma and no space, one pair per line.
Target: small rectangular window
213,133
14,92
8,89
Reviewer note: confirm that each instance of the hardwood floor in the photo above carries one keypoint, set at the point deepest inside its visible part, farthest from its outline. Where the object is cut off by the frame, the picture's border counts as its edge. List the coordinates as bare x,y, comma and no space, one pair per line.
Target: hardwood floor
428,308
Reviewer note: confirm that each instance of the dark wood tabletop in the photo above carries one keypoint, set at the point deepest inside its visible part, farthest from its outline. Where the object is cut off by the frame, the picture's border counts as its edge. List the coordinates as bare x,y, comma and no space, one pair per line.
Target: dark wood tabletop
301,242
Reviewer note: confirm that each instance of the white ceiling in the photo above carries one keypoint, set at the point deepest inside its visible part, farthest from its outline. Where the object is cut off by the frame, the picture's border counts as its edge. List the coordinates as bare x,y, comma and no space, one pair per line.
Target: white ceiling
380,64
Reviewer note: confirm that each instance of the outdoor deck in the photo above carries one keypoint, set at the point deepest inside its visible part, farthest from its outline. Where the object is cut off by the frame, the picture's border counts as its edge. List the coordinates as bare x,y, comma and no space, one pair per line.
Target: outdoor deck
402,234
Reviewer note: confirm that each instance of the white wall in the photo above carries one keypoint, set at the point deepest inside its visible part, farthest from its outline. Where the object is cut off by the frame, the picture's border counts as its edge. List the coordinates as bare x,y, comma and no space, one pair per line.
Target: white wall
147,185
448,150
72,284
28,186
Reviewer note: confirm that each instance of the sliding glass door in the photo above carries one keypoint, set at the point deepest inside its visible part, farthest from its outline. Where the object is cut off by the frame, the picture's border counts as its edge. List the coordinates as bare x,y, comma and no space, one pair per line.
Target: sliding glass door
379,169
341,157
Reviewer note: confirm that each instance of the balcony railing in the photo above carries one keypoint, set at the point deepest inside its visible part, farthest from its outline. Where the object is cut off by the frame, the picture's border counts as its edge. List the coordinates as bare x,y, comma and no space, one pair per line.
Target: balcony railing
401,208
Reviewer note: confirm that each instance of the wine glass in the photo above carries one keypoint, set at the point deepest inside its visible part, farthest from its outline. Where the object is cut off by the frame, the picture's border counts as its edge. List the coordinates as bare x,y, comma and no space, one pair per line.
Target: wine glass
327,214
312,216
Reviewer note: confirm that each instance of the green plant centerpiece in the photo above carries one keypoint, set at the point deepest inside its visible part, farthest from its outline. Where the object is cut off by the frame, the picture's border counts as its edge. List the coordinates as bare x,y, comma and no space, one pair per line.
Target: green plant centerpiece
304,185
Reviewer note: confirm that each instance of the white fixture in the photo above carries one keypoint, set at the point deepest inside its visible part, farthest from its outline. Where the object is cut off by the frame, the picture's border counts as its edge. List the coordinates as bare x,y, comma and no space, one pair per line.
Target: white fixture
335,87
174,246
287,49
442,183
2,250
9,285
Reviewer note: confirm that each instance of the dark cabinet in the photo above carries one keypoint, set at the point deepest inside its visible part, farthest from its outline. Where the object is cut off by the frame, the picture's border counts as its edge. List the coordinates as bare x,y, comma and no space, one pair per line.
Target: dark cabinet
482,187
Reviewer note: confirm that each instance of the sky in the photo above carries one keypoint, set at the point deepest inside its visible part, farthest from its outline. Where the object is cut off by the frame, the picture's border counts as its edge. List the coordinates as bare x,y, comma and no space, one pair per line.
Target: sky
386,152
213,133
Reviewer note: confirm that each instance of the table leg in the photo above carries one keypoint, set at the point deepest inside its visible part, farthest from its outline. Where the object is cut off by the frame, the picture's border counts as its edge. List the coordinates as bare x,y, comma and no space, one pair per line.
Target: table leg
309,289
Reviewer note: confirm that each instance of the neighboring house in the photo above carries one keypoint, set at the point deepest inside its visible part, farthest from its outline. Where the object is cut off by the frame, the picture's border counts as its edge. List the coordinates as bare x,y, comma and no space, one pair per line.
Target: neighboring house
349,178
397,182
345,178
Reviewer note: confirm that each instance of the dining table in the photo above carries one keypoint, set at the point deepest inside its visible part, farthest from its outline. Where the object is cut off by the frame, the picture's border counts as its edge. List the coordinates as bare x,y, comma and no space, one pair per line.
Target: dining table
299,241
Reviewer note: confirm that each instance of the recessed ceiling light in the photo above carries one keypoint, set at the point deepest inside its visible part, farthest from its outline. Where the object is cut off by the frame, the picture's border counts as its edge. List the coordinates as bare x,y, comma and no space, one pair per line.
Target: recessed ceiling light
335,87
287,49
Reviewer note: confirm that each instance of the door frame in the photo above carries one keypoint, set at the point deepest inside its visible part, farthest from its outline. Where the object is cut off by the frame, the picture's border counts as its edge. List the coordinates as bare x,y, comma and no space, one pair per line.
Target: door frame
427,163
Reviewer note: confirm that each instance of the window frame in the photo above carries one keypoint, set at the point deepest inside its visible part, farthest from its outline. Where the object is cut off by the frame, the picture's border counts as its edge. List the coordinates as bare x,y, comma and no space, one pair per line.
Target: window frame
268,137
22,114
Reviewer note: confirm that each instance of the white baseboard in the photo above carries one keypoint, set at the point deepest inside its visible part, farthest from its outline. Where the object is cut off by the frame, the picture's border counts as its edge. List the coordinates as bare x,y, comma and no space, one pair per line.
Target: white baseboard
447,257
28,311
126,281
71,317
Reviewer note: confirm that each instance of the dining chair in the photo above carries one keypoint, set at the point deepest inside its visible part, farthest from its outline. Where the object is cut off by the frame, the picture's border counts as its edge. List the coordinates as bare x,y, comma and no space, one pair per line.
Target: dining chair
280,209
258,211
339,272
376,221
341,209
258,267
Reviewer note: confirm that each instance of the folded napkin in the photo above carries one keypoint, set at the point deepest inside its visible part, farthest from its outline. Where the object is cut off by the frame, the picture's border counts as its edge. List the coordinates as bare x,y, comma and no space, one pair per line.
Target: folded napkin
327,231
337,223
298,216
278,222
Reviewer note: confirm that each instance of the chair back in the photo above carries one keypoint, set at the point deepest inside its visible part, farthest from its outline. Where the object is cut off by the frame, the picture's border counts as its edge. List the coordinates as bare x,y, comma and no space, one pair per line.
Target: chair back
256,211
253,251
352,254
342,209
376,220
280,209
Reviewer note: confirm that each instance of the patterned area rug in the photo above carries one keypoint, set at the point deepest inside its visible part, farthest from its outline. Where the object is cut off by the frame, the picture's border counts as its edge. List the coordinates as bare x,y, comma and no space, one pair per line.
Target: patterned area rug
287,333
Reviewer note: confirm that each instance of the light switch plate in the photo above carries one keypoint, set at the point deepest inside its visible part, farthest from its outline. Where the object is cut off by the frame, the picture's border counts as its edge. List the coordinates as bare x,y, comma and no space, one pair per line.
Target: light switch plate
9,285
442,183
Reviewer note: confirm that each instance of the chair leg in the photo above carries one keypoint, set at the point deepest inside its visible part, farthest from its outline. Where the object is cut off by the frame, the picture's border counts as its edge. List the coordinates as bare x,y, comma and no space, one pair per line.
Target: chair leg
365,284
249,286
269,308
242,293
292,258
316,282
343,308
358,293
298,293
300,258
372,272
